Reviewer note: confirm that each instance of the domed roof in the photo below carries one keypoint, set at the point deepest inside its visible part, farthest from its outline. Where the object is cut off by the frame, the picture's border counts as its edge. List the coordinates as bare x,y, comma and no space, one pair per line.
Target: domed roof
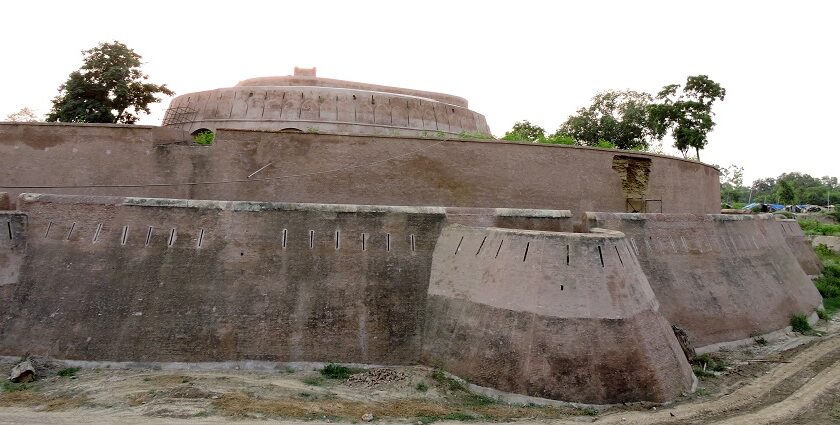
305,102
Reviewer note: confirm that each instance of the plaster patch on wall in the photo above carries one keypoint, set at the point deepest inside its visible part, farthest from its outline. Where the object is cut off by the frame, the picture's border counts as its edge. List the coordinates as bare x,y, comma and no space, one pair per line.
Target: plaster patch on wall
634,172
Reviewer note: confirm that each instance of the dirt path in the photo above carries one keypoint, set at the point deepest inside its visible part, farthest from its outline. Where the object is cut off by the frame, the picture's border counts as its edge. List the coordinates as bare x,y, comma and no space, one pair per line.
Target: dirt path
804,388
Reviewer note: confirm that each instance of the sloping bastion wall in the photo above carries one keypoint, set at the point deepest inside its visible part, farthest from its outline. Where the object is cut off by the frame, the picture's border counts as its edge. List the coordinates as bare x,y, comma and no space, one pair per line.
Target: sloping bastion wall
320,168
719,277
174,280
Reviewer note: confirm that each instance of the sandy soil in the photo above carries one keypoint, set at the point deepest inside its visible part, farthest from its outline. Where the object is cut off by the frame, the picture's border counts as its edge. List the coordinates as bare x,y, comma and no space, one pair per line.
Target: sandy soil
793,380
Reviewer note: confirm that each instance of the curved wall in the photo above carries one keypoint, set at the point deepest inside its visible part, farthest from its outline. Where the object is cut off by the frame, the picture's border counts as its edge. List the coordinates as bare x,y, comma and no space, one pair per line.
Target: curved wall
565,316
318,168
320,109
721,278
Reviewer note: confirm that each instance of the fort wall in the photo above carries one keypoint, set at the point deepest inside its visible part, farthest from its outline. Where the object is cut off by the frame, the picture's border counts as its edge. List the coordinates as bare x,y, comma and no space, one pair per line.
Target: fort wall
800,246
320,168
169,280
540,313
719,277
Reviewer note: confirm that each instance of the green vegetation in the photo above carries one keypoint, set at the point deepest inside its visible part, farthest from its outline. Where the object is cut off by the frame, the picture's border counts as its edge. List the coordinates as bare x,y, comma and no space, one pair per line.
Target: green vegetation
474,135
620,117
68,371
760,340
705,365
109,88
785,214
11,387
336,371
446,382
788,188
422,387
829,283
814,227
800,324
204,137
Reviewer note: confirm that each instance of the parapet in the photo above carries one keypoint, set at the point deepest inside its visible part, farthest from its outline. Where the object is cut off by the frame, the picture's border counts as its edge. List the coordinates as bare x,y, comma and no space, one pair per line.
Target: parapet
306,103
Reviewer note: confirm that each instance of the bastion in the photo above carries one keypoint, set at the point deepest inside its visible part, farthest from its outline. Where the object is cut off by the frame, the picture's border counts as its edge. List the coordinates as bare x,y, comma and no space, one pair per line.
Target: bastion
333,221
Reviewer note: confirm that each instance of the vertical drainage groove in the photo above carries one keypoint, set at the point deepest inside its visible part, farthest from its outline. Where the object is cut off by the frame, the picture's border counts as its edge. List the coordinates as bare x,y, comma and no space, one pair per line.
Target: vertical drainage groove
47,233
459,245
311,239
619,255
285,233
96,234
69,232
364,241
413,243
9,225
149,236
567,255
500,248
200,237
388,242
124,235
601,255
172,236
527,245
481,246
337,239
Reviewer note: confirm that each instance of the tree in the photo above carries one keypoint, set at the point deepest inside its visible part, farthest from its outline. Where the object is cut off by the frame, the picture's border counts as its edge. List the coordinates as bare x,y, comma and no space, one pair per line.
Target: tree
785,192
108,88
25,114
619,117
525,131
686,112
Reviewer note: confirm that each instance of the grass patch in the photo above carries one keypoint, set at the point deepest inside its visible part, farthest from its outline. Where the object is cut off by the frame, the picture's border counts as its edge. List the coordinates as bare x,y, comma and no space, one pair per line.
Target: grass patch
422,387
709,362
11,387
800,324
445,382
760,340
829,283
474,135
315,381
814,227
336,371
68,371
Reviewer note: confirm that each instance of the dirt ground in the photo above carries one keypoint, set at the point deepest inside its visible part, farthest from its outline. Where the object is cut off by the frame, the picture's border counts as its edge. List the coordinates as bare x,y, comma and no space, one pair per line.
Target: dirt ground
792,380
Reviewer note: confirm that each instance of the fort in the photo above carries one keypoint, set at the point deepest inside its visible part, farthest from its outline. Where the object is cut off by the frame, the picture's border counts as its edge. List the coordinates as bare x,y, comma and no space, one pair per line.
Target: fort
348,222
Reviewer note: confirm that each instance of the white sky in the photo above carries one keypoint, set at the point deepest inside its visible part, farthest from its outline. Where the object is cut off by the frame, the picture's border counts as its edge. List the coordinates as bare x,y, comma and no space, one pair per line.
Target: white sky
513,60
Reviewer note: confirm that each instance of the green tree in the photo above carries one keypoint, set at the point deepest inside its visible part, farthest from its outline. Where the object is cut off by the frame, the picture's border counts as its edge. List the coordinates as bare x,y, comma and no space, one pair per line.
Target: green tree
524,131
619,117
109,88
785,192
686,112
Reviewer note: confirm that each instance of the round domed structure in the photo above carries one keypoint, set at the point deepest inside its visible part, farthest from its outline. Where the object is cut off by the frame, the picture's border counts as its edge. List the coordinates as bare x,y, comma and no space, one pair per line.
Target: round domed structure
307,103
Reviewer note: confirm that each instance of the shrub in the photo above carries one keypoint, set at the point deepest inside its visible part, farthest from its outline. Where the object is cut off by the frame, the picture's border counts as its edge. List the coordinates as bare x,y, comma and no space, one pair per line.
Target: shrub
800,324
760,340
68,371
709,362
557,139
336,371
204,137
785,214
422,387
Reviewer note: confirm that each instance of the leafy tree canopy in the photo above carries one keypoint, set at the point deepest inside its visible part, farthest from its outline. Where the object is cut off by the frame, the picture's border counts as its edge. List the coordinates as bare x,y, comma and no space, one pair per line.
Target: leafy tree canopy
108,88
524,131
617,117
686,111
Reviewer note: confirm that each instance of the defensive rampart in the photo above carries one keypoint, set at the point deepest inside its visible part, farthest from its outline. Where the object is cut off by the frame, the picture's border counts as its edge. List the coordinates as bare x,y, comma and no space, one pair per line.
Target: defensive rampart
167,280
319,168
719,277
557,315
800,246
